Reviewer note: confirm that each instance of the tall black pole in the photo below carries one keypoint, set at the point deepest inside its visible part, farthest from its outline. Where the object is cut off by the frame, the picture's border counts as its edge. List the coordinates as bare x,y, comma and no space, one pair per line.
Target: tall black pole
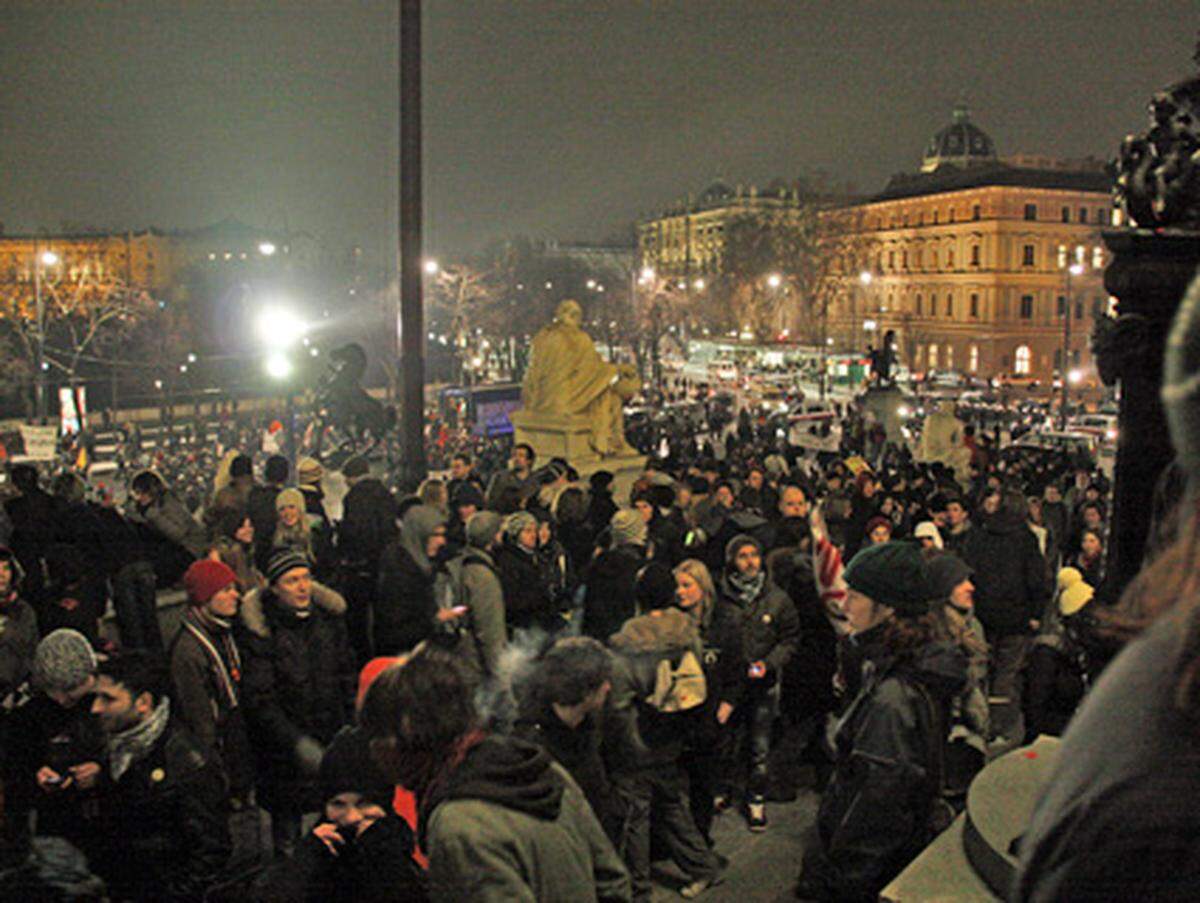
412,325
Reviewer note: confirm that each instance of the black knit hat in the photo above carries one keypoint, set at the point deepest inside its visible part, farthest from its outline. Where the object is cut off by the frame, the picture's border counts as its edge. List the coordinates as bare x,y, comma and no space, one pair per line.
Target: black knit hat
347,767
893,574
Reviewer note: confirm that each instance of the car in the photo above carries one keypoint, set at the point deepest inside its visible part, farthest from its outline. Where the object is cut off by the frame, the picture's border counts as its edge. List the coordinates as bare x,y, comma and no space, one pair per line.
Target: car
1080,446
1102,426
1017,381
724,370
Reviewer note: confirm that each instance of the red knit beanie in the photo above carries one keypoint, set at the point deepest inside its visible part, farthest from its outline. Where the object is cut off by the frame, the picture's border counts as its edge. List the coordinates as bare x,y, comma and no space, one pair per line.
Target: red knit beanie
205,578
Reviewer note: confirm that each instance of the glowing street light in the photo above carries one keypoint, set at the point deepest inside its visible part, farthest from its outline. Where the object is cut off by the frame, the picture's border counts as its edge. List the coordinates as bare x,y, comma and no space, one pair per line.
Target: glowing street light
698,285
647,275
591,283
774,280
1075,376
49,259
866,277
431,267
279,327
266,248
278,366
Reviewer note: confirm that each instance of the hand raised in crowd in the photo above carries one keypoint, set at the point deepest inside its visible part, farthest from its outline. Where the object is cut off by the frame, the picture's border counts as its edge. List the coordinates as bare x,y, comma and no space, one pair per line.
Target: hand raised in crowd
85,774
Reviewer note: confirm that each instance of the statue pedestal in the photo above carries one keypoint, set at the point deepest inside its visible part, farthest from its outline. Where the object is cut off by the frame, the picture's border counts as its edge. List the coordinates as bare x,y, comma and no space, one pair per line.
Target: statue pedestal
885,404
569,436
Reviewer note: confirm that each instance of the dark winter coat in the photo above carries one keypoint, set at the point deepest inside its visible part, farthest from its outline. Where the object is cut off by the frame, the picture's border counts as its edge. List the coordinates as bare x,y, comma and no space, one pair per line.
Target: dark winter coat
527,597
164,830
405,604
204,708
264,517
175,538
608,601
368,524
1119,817
374,867
874,814
18,641
299,682
770,628
1010,575
509,824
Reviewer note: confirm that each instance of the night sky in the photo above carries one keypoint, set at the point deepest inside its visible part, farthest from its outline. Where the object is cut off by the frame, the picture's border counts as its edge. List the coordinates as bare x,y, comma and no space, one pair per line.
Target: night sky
560,119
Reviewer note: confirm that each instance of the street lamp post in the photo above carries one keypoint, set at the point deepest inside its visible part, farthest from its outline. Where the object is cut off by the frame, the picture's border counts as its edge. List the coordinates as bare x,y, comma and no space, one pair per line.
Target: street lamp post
46,258
1074,269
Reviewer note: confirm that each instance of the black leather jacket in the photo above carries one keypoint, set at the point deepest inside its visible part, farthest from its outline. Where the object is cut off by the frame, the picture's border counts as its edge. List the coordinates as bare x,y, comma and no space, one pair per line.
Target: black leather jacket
874,814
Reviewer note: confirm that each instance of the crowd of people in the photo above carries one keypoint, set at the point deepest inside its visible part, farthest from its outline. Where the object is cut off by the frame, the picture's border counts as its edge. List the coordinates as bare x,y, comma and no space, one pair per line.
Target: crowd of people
512,683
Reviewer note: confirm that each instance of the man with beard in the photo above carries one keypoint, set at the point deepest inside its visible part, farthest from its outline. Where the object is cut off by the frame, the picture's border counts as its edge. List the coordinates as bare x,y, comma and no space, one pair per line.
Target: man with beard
500,820
163,833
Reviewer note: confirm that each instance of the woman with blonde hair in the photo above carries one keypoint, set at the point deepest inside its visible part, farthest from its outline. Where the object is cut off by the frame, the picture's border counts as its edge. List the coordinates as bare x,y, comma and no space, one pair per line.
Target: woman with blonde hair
724,665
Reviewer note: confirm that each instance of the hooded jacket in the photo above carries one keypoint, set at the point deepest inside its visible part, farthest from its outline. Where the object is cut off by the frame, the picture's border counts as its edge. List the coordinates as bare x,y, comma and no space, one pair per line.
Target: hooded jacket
298,683
1010,575
509,824
405,604
648,737
873,815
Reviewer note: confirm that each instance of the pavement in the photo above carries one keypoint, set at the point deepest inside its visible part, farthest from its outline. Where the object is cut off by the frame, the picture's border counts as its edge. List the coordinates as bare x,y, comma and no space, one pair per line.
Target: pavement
762,867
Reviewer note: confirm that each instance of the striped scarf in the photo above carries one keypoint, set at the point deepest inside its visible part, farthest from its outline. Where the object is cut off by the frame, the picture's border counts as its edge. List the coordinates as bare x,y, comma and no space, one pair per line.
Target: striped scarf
210,631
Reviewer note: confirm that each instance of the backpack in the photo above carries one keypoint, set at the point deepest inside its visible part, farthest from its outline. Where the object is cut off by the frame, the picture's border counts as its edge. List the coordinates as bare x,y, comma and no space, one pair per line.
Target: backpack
678,688
449,592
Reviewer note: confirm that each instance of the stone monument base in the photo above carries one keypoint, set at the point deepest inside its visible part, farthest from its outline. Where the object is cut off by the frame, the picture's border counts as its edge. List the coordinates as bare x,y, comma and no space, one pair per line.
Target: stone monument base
569,437
885,404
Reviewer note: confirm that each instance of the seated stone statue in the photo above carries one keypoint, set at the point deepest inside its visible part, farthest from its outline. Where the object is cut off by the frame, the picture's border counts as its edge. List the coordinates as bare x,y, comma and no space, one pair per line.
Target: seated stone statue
567,378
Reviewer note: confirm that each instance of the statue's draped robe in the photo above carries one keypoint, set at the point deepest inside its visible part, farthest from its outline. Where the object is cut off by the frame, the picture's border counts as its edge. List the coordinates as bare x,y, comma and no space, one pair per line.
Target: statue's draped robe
567,377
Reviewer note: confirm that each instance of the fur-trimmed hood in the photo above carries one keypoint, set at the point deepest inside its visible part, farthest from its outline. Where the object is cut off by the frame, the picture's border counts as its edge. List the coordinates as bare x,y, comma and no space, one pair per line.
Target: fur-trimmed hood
662,629
254,616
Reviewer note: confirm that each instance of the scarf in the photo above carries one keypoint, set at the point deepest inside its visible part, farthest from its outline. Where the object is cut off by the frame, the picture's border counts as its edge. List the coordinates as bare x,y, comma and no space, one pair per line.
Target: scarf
746,589
214,637
130,745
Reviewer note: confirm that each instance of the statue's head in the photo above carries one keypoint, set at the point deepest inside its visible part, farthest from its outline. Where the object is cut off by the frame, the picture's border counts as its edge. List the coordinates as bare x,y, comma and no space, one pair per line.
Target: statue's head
568,312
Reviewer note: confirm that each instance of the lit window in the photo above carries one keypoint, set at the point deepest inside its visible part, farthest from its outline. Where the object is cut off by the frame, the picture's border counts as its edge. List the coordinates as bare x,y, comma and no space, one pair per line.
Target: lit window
949,357
933,357
1021,366
973,359
1097,258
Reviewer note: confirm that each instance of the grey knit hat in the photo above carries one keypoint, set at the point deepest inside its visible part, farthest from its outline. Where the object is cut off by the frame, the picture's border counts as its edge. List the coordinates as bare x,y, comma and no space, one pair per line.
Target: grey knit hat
628,528
64,659
285,560
516,522
482,527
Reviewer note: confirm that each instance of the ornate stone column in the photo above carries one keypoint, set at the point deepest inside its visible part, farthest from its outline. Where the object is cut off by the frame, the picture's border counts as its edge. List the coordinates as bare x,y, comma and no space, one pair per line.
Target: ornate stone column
1150,270
1158,188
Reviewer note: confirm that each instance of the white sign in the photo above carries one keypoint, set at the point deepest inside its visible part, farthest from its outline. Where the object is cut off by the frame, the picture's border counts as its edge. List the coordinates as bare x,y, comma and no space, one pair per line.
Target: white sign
41,443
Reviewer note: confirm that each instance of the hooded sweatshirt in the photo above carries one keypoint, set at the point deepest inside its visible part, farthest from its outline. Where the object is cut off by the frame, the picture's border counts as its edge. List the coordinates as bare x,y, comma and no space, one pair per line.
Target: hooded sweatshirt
509,824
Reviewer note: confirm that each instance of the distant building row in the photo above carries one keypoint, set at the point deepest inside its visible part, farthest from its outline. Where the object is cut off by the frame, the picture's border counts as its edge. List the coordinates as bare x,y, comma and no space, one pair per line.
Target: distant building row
969,259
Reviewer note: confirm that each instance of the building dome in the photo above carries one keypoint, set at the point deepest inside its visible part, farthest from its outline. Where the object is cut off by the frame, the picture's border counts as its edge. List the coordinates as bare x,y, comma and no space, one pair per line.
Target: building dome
716,193
961,143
